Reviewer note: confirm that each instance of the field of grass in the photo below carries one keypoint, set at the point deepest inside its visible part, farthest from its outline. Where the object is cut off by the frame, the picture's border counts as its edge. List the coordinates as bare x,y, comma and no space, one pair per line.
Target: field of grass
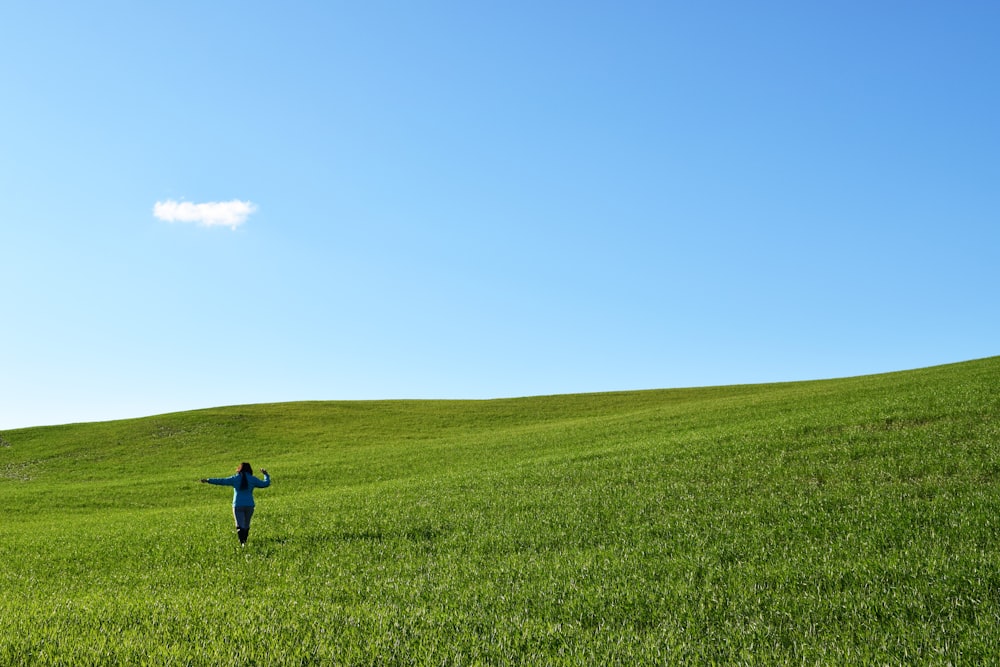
851,521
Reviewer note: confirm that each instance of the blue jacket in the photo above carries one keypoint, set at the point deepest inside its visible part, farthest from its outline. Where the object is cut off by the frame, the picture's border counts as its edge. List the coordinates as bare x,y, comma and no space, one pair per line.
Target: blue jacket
244,497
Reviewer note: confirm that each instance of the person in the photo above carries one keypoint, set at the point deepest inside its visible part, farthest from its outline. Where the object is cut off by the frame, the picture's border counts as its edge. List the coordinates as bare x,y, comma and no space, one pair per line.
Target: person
243,483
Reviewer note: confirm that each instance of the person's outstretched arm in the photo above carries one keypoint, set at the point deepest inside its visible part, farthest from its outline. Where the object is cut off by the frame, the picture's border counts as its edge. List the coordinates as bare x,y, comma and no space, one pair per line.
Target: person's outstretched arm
221,481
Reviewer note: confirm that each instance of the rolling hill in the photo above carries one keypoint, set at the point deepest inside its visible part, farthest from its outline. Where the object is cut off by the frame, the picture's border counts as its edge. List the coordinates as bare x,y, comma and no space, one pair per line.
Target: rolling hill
846,521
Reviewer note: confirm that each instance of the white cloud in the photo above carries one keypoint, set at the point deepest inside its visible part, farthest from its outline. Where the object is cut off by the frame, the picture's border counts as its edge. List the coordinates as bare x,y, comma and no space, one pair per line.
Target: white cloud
230,214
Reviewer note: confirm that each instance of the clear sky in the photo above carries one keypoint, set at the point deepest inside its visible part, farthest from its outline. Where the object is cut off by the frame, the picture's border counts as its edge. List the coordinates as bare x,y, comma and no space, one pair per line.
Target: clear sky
219,203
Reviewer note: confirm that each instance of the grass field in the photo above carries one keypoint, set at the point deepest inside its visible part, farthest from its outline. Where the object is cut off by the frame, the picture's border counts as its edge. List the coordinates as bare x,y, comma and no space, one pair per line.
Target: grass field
851,521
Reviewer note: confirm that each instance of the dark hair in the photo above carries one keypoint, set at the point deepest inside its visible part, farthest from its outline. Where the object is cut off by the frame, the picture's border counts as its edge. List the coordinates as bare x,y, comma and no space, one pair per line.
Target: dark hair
244,469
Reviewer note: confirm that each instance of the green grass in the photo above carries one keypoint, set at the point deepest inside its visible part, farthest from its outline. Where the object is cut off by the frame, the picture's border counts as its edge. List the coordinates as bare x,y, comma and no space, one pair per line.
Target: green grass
851,521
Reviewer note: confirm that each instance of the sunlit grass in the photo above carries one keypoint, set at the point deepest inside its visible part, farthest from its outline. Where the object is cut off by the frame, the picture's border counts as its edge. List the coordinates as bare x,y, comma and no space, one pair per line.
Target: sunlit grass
837,522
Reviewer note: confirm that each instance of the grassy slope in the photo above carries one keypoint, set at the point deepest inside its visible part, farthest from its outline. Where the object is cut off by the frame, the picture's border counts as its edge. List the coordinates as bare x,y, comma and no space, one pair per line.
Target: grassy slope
839,521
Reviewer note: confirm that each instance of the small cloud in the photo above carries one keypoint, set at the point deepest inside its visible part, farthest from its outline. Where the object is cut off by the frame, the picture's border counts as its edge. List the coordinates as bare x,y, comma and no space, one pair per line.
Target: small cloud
230,214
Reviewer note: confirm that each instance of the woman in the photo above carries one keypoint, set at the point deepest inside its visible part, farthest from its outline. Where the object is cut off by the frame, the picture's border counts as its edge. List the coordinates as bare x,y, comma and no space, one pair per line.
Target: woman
243,483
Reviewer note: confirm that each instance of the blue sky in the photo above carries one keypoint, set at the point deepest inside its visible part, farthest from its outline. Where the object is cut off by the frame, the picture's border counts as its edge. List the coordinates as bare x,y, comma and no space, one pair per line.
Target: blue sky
375,200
